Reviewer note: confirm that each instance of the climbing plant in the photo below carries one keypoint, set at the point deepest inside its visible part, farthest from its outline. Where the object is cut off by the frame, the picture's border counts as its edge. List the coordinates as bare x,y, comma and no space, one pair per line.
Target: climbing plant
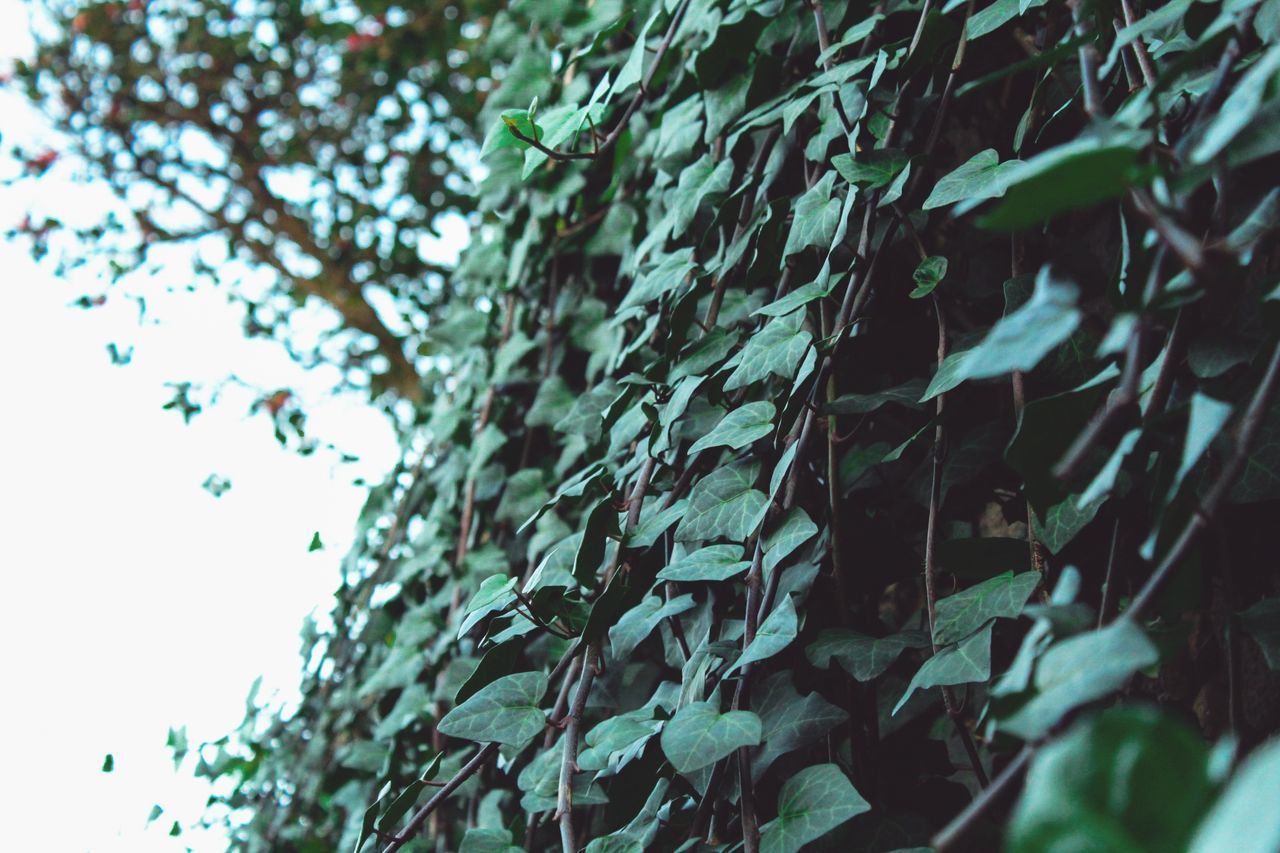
852,426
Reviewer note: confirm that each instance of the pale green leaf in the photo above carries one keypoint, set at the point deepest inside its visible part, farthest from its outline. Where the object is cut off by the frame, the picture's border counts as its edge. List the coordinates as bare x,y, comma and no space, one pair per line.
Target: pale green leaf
812,803
699,735
507,711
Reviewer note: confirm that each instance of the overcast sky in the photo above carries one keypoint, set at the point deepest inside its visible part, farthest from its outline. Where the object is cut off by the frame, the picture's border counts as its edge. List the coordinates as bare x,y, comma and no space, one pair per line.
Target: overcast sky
133,599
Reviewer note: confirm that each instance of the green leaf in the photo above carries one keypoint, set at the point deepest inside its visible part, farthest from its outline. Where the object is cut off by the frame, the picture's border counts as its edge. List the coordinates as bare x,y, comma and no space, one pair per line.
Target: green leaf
523,495
982,176
316,544
1260,480
699,735
723,504
871,169
1074,175
957,616
741,427
713,563
861,656
928,275
1019,340
812,803
788,720
632,71
109,763
488,840
907,394
638,622
1128,780
1262,623
775,634
1240,108
968,662
656,522
776,350
1064,521
508,711
1245,818
815,218
495,594
796,529
703,182
602,523
1078,670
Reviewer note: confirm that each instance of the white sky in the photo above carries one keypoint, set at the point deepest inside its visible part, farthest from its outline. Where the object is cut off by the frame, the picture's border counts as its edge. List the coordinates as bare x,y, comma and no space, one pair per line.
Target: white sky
133,599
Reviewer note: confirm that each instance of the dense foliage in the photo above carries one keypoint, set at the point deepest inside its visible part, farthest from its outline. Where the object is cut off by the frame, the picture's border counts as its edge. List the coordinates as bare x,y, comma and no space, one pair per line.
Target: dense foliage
846,416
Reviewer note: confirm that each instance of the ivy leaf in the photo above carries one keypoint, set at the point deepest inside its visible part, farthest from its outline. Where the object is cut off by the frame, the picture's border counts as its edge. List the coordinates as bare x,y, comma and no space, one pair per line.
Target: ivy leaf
1019,340
602,523
861,656
507,711
1064,521
699,735
789,721
632,70
1078,670
815,217
1262,622
1245,819
907,394
488,840
796,529
741,427
1074,175
967,662
1260,480
775,634
982,176
656,523
1128,779
713,563
777,349
638,622
928,275
1240,107
959,615
812,803
723,504
495,594
870,169
703,182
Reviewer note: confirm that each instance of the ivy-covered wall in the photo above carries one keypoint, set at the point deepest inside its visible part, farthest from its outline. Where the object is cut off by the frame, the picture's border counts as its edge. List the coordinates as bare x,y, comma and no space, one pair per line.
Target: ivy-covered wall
846,416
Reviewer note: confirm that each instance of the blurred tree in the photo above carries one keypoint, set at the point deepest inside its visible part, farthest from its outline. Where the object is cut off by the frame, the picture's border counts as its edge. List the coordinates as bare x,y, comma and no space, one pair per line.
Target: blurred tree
320,142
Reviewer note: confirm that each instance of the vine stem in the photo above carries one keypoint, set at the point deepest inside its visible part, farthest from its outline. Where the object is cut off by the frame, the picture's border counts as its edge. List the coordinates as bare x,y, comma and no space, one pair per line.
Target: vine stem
420,817
930,551
569,759
590,667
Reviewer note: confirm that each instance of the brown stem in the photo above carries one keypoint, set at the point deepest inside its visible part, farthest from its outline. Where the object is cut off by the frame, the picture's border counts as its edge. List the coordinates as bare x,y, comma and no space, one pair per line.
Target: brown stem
1004,785
569,759
420,817
1139,46
930,550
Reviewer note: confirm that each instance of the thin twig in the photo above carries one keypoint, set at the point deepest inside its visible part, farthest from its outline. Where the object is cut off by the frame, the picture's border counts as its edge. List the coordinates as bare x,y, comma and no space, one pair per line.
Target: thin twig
1000,788
569,759
420,817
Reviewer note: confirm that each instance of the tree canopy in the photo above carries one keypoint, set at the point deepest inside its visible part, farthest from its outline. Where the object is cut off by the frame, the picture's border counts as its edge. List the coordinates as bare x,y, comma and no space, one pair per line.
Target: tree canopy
851,425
